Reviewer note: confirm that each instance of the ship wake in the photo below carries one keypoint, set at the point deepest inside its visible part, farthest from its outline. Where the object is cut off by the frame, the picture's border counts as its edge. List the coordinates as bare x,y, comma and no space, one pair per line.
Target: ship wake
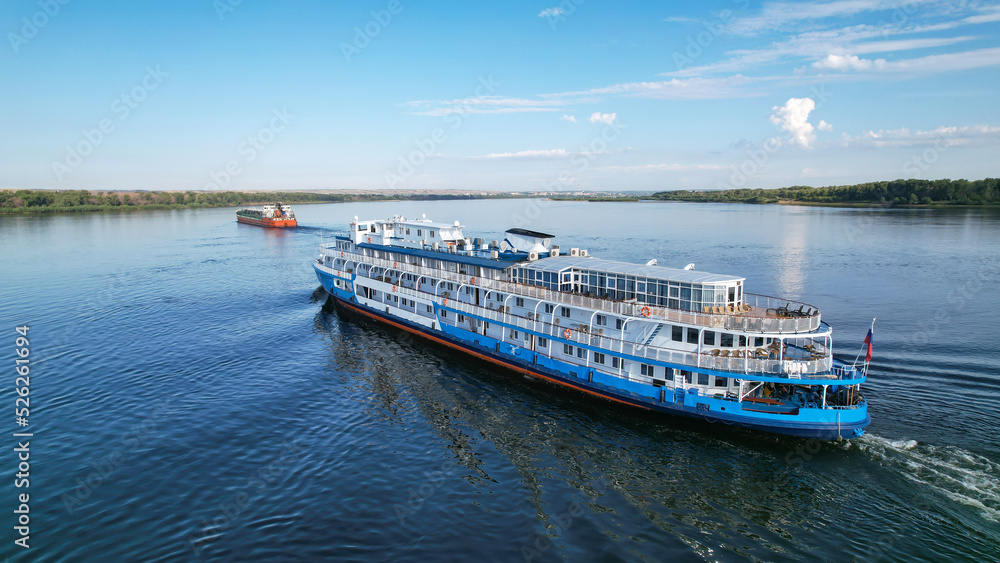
960,475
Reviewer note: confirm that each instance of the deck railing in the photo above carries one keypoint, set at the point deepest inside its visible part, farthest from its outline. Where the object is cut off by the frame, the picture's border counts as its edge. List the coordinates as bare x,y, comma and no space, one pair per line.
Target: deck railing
786,367
761,318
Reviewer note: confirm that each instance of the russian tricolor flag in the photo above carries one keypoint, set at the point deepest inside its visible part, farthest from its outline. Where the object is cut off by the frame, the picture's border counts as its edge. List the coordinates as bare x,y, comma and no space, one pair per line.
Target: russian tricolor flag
868,341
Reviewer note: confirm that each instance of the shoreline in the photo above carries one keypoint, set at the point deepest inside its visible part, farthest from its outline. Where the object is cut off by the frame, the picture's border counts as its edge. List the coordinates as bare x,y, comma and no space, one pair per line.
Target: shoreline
856,205
31,210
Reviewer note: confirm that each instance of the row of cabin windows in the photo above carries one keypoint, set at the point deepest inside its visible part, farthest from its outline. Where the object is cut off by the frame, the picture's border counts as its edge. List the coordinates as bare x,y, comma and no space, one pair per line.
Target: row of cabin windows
648,370
420,232
725,340
580,352
666,293
678,333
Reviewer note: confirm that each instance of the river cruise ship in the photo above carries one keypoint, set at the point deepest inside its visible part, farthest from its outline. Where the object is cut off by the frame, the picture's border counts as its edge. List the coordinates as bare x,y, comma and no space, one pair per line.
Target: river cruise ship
679,341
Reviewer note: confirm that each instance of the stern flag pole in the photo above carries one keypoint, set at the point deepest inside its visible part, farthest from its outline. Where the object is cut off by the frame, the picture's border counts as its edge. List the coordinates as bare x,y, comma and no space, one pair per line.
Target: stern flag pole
867,344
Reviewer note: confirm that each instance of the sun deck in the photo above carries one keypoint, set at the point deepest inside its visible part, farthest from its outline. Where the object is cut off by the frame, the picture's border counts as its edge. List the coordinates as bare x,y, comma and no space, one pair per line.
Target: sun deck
759,313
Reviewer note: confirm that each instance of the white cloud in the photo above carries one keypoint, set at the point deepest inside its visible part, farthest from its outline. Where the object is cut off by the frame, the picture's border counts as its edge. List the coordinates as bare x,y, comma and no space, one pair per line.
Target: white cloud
942,136
681,19
847,62
674,89
824,126
552,153
668,167
483,104
778,15
793,117
551,12
907,44
963,60
949,61
605,118
893,19
570,118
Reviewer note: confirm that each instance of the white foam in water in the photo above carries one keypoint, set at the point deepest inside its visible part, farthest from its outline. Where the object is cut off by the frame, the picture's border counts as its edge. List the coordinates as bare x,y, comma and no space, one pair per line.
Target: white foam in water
959,475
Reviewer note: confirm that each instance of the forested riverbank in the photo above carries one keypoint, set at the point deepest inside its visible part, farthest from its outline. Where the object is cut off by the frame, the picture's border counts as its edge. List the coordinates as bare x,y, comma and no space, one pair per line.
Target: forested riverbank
27,202
894,192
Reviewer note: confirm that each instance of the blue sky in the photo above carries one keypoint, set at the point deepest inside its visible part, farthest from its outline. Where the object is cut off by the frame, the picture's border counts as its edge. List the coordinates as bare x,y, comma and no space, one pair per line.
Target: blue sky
519,96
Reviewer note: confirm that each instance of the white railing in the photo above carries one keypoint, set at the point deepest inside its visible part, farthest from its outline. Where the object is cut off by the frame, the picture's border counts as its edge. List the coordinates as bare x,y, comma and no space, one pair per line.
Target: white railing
755,321
792,368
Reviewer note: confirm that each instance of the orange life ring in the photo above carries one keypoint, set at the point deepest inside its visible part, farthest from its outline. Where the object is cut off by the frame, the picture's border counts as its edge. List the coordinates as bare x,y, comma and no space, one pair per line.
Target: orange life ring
394,288
395,265
645,311
341,253
473,281
369,239
567,333
445,300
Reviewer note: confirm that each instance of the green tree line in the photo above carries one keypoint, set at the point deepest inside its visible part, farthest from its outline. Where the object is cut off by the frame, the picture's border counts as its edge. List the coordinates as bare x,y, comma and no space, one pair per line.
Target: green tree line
894,192
42,201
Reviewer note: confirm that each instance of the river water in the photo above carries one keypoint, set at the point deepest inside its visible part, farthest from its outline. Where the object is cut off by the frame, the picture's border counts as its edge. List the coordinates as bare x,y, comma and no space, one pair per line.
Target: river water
195,396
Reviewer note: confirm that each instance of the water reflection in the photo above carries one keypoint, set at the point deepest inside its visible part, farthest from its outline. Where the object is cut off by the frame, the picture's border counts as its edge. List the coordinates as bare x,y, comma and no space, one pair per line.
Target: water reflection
791,265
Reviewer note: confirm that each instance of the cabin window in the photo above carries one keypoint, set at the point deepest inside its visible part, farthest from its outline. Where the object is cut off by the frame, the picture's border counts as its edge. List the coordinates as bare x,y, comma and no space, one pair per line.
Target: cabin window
432,234
688,376
692,336
564,311
743,341
549,308
461,318
708,338
721,381
615,362
581,353
567,349
444,314
543,342
702,379
407,231
758,341
619,324
420,233
519,301
430,309
646,369
677,334
513,334
598,358
601,320
726,340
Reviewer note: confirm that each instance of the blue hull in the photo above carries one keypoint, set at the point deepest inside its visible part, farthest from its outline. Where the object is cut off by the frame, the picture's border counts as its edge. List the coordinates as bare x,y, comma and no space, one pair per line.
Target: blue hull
661,399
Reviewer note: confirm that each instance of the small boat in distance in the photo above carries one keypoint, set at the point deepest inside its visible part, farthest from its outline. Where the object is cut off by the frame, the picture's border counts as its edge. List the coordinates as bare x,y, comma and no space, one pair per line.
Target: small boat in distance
276,215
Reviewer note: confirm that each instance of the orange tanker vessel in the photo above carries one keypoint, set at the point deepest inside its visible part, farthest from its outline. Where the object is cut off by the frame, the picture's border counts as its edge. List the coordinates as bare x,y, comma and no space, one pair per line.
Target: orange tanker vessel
276,215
